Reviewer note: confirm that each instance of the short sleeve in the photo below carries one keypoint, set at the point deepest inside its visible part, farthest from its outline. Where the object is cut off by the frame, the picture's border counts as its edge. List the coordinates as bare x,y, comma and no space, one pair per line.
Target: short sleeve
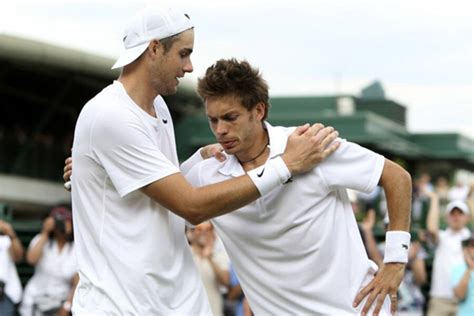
456,274
125,148
352,166
34,241
193,175
191,161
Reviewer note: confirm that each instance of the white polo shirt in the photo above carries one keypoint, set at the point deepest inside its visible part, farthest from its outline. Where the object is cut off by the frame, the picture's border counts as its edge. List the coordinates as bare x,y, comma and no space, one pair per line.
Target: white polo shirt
132,252
448,254
53,274
8,273
298,250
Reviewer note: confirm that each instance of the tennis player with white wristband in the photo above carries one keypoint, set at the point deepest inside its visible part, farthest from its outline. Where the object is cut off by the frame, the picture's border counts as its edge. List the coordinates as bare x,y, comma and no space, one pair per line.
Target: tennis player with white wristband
297,249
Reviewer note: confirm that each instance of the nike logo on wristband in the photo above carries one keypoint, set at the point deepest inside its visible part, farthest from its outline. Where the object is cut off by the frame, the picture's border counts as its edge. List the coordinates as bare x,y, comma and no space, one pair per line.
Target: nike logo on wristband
405,246
261,173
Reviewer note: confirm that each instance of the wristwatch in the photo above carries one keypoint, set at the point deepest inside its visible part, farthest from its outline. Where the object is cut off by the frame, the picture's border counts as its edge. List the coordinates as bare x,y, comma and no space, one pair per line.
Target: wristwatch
67,306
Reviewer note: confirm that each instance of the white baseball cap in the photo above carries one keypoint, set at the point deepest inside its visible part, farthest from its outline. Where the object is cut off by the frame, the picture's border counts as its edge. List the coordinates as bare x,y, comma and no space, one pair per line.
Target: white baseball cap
459,205
149,24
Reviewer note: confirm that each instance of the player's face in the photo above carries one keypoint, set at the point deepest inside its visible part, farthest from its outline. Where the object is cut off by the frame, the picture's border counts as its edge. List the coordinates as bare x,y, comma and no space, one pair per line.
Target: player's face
234,127
173,64
456,219
470,251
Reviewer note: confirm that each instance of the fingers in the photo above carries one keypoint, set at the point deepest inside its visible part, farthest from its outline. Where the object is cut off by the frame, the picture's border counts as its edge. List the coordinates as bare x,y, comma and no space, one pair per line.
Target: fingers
300,130
315,129
393,303
322,134
362,294
380,297
217,152
220,156
330,149
67,169
329,138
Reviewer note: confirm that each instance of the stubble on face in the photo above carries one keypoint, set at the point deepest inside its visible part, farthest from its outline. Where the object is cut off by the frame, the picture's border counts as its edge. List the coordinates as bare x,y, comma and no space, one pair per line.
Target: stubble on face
241,133
173,64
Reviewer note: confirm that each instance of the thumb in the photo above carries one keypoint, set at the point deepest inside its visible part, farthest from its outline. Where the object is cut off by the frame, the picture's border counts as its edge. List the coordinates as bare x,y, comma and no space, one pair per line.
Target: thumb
220,156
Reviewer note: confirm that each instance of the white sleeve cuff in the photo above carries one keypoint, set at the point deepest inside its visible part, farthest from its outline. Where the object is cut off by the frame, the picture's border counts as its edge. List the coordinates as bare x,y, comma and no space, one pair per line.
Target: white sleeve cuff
191,161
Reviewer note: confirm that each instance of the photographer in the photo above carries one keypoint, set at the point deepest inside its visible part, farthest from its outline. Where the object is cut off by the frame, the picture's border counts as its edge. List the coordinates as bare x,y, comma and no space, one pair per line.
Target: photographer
50,290
11,251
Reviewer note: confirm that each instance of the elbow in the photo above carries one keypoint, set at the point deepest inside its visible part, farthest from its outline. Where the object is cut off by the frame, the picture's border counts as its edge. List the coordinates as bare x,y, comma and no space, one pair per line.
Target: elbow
406,178
192,211
18,257
30,259
458,294
195,217
420,281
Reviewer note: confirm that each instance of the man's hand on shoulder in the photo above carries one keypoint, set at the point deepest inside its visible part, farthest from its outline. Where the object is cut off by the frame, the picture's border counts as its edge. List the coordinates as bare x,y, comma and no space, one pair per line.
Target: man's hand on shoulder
213,150
309,145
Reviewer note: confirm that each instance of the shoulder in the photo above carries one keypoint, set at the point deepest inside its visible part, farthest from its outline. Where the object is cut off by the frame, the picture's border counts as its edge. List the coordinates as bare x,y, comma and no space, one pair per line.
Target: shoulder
204,171
211,165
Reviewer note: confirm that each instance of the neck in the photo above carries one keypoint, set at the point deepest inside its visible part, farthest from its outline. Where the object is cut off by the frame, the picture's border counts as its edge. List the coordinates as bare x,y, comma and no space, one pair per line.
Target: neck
142,94
262,149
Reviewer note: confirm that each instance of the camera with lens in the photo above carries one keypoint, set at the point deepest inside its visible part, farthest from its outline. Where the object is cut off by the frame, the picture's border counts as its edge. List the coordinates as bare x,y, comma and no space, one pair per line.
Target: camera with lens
59,223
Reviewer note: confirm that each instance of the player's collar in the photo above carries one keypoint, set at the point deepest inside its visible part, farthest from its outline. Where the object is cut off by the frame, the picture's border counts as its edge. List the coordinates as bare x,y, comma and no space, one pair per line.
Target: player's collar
278,138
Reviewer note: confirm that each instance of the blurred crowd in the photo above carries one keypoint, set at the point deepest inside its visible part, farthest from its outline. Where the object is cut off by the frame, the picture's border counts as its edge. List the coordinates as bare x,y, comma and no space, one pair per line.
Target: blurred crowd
439,278
50,290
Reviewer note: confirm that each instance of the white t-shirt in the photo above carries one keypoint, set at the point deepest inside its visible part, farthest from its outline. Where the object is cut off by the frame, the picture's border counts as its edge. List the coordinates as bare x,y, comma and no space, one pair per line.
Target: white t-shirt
448,254
298,250
8,273
53,275
132,252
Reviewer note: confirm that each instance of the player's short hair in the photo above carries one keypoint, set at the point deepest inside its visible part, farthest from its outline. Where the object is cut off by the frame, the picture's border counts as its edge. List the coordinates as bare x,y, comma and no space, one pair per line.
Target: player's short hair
230,77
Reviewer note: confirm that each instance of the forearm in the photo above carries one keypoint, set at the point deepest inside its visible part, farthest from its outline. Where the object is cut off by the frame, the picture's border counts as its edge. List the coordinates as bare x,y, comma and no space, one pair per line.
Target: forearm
222,275
460,290
200,204
235,292
16,248
419,271
74,282
34,253
397,186
432,220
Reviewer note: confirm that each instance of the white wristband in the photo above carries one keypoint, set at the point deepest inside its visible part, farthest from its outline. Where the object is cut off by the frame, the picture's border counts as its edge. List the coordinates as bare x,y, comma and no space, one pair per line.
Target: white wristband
397,244
270,175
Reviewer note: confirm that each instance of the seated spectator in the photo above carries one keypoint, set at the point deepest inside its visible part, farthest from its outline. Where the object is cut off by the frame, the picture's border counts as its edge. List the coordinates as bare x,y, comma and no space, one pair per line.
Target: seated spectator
448,253
463,280
212,262
50,289
11,251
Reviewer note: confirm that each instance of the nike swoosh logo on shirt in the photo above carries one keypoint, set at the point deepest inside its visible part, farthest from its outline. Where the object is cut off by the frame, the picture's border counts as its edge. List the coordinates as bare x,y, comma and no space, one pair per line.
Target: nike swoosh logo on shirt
261,173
